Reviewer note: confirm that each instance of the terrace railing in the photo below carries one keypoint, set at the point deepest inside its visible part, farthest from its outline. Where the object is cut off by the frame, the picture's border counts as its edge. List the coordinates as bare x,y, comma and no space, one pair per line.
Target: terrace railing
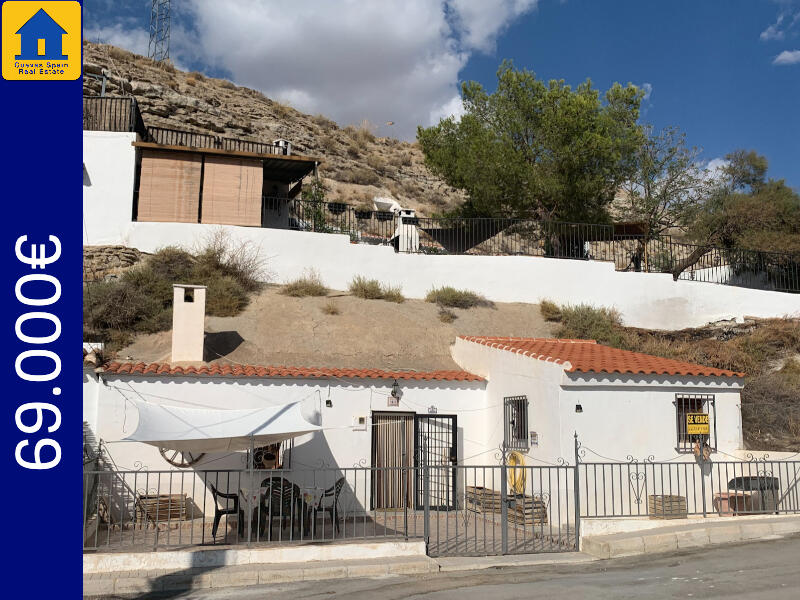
456,509
111,113
176,137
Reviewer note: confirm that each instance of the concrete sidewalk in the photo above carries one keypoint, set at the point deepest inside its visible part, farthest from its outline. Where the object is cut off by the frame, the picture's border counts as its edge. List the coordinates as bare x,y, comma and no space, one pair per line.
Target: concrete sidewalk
689,535
141,582
246,570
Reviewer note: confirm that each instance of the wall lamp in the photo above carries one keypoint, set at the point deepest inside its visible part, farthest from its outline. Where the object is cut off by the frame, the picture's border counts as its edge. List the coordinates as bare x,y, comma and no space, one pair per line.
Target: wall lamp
395,389
578,408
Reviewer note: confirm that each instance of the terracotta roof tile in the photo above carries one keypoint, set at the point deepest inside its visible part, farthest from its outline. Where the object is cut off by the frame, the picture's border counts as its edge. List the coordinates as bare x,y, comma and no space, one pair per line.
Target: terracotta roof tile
587,356
286,372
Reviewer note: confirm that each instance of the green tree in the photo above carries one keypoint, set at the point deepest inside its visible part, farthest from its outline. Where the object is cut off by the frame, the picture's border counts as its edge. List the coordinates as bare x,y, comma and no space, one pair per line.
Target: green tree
748,211
667,188
536,149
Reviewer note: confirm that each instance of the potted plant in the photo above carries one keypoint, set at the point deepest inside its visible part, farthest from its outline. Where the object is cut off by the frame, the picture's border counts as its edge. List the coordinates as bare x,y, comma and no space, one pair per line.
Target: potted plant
384,215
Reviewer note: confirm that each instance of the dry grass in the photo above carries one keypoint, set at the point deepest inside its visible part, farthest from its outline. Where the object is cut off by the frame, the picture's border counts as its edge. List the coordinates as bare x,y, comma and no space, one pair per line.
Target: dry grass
360,176
372,289
550,311
447,316
330,308
450,297
310,284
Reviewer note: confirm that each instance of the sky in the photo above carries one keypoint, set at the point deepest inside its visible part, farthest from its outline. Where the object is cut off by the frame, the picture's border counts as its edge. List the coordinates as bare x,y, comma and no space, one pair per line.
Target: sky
726,72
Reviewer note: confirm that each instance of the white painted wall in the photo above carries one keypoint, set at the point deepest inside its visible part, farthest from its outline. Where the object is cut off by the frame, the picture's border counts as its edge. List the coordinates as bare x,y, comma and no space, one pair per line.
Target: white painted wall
623,415
651,300
108,178
338,446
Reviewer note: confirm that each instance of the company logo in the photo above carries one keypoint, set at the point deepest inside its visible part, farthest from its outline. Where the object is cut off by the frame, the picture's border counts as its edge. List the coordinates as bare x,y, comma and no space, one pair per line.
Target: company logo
41,40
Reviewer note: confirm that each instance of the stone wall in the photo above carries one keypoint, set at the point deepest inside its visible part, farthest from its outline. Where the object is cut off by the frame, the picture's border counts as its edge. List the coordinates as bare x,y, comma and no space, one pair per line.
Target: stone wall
106,263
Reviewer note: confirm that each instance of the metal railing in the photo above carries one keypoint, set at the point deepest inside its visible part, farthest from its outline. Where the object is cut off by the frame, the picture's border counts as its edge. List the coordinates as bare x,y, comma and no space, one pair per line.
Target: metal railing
121,113
671,490
111,113
176,137
583,241
363,226
458,510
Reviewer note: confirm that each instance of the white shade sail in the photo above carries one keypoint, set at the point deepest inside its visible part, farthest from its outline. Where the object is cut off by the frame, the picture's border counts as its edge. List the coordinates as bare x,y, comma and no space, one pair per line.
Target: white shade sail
217,430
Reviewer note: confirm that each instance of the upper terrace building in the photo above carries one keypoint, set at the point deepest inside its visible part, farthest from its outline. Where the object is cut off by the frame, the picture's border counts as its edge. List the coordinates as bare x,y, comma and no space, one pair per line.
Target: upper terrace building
173,176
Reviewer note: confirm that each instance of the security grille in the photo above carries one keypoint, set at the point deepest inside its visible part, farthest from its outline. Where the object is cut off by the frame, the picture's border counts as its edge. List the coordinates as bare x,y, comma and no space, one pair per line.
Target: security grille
516,422
687,404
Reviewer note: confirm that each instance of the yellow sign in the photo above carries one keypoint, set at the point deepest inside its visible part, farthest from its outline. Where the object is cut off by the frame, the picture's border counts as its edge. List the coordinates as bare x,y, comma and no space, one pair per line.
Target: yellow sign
697,424
41,41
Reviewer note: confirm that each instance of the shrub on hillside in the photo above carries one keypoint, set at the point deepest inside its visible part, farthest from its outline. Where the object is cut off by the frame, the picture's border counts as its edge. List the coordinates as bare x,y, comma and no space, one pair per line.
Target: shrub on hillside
447,316
453,298
369,289
330,308
310,284
550,311
140,301
372,289
587,322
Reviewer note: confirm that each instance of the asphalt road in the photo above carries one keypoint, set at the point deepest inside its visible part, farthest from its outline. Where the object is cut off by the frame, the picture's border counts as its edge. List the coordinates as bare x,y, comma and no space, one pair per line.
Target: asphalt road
756,570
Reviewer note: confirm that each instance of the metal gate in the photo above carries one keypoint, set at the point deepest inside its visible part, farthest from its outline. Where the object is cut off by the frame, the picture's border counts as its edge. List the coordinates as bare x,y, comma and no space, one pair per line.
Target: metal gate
435,447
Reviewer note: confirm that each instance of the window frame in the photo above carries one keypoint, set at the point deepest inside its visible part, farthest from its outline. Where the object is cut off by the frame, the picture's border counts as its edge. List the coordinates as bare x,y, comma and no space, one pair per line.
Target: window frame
515,423
688,403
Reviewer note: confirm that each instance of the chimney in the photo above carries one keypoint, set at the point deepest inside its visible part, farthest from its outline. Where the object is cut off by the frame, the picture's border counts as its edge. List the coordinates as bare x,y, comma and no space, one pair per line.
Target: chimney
188,322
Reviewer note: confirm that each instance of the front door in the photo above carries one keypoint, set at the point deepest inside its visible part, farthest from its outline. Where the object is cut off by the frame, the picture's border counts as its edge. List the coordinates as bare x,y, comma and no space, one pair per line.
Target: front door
435,448
392,455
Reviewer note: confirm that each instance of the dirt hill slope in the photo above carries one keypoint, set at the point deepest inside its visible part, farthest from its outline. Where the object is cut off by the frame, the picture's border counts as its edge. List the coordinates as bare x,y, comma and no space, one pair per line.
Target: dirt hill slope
280,330
356,165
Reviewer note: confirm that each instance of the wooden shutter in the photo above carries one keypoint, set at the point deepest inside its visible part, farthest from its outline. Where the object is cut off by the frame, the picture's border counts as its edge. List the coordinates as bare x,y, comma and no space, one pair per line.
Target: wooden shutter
169,186
232,191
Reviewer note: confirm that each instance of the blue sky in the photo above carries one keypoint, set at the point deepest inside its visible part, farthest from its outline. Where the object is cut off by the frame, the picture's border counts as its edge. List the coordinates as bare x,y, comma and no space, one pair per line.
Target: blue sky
727,72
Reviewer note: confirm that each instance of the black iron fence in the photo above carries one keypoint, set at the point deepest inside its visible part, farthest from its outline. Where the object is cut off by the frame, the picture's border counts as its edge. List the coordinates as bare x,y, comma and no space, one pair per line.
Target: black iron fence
678,489
363,226
458,510
520,237
176,137
111,113
121,113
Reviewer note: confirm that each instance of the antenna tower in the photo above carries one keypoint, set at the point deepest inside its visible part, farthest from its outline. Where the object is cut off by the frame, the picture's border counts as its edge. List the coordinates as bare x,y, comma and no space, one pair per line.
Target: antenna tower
158,49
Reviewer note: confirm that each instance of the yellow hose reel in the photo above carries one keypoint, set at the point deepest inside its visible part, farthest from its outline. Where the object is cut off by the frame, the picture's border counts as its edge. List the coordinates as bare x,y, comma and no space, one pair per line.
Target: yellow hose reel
516,472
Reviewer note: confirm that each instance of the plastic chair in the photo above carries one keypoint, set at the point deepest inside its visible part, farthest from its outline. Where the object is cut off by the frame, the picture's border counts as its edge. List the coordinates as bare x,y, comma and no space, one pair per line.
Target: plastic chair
333,507
233,510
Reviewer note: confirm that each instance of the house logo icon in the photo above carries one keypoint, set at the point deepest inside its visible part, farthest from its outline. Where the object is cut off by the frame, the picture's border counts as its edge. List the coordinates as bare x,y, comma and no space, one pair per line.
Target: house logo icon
41,41
41,38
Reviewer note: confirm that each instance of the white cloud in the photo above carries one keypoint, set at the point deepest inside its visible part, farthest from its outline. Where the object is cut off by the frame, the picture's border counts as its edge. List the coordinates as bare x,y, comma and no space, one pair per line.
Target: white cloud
479,22
394,60
452,108
648,90
773,32
135,40
787,57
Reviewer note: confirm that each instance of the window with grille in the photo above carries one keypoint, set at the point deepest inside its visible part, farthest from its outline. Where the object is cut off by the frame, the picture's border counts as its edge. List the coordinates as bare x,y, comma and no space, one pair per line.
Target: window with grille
516,422
689,414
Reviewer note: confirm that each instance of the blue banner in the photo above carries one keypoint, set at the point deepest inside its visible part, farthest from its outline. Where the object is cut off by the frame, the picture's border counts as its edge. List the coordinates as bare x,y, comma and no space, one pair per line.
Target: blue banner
41,232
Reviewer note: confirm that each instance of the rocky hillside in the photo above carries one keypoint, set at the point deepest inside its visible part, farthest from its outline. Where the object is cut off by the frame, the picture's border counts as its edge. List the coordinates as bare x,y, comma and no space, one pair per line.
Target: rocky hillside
356,165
